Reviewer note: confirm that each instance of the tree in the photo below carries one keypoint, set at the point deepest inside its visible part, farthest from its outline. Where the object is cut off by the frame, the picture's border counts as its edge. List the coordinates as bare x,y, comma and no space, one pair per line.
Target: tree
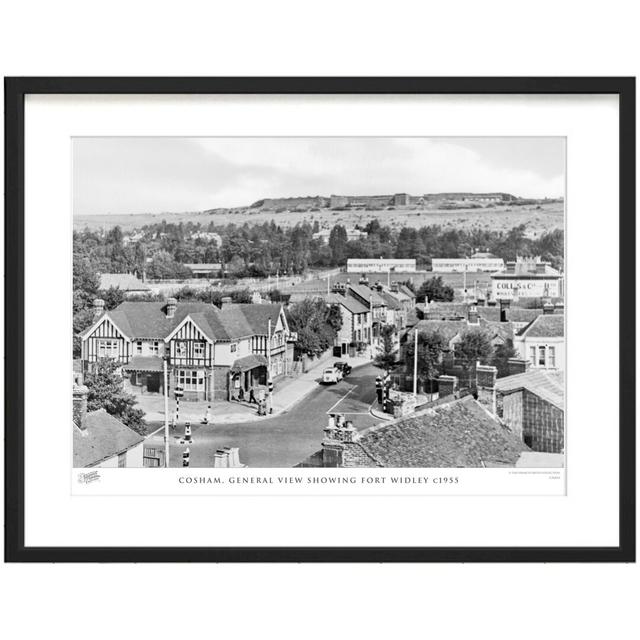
501,357
431,345
435,289
81,320
474,346
386,359
315,323
106,391
113,296
338,244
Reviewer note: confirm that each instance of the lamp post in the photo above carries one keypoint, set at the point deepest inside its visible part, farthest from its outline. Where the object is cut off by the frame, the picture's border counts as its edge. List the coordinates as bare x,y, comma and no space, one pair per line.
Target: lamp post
269,381
415,363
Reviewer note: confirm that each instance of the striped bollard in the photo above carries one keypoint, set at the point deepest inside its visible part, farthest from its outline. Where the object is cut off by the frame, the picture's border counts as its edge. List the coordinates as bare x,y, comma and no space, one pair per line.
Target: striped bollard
187,432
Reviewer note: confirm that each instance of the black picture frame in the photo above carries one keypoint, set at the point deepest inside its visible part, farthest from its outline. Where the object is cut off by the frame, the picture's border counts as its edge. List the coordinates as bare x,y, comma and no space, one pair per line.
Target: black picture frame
15,91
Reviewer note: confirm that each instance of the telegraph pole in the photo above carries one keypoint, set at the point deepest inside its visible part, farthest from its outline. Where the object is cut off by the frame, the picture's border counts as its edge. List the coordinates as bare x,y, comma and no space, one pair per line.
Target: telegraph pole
415,363
166,412
371,324
269,381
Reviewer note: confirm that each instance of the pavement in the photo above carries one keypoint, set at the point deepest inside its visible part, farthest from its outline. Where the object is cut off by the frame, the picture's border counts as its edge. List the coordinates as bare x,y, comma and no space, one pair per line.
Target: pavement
287,392
287,437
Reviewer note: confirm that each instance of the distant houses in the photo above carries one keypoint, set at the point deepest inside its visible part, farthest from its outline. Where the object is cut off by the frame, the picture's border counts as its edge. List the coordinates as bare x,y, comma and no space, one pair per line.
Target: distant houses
128,283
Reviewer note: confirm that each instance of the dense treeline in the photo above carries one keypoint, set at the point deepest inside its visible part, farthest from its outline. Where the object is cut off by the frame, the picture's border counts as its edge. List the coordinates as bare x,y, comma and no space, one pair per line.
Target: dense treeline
258,250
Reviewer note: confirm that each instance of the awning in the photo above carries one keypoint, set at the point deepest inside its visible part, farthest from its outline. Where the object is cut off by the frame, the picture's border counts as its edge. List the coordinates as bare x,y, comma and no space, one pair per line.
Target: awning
248,362
144,363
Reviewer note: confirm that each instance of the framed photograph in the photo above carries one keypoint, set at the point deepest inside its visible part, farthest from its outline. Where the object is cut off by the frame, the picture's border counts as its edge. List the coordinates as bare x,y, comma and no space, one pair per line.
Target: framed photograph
320,319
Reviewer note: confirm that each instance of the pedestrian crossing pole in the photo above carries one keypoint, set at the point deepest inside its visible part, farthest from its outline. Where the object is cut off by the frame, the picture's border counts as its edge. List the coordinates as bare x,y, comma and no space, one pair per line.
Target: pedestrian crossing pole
187,432
178,393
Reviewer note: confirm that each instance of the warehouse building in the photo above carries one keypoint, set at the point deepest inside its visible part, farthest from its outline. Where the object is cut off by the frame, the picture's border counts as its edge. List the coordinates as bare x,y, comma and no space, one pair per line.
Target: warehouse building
527,278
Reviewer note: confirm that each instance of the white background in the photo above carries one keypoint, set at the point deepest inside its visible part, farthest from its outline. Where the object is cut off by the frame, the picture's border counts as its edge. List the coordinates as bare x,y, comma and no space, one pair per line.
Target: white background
331,38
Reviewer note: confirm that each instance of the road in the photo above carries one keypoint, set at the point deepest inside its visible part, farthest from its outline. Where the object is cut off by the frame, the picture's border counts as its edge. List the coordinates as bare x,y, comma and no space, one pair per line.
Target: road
287,439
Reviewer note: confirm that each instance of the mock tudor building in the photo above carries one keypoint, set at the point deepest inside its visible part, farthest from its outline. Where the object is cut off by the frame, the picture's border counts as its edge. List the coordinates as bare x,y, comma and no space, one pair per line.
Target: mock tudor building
211,353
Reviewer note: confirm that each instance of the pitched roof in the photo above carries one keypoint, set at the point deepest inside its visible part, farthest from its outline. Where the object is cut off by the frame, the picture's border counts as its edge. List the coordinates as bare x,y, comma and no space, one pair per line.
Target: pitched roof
103,437
545,326
404,289
503,330
348,302
149,319
249,362
548,385
390,300
123,281
518,314
460,433
367,294
445,310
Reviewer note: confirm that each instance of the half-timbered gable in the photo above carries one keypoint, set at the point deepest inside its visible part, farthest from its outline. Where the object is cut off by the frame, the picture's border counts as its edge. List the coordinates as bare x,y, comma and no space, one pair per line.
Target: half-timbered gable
190,346
106,340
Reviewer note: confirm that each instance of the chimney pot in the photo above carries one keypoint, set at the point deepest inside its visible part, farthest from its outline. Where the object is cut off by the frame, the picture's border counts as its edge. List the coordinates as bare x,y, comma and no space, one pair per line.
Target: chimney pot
98,307
172,303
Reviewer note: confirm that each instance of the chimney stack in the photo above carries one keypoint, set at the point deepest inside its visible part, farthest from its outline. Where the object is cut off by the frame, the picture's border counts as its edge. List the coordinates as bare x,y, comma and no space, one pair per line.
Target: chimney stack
98,308
80,394
559,308
518,365
447,386
473,314
504,309
172,303
547,308
486,385
226,301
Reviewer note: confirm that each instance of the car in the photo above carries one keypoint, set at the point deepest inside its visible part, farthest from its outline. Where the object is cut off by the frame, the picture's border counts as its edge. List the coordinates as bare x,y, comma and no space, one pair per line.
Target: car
344,367
331,375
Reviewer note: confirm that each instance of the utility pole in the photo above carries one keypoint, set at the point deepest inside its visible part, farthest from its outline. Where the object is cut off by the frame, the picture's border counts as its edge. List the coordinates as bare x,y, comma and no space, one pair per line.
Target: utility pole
371,324
166,412
464,280
415,363
269,381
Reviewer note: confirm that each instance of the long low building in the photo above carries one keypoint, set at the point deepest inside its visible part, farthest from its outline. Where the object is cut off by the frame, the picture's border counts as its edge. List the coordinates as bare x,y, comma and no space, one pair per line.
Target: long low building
380,265
467,264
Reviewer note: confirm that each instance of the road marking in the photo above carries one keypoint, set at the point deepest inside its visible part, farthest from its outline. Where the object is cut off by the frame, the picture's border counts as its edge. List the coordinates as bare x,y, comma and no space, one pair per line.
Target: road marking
341,399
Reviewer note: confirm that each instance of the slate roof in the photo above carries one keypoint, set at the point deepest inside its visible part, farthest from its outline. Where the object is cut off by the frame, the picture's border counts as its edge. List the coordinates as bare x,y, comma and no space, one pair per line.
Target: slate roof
545,326
518,314
445,310
149,319
460,433
503,330
123,281
548,385
349,302
390,300
103,438
368,294
407,292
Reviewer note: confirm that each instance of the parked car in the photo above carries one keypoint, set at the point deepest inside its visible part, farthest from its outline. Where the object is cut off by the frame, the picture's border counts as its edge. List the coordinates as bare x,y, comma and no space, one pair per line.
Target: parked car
331,375
344,367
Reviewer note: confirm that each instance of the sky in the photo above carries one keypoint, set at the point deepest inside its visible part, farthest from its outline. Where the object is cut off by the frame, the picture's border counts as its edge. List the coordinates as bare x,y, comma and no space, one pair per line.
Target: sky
160,175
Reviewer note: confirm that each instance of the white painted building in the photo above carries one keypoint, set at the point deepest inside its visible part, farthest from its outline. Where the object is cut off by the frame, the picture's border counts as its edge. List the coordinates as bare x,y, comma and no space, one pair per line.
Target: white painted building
527,278
467,264
381,265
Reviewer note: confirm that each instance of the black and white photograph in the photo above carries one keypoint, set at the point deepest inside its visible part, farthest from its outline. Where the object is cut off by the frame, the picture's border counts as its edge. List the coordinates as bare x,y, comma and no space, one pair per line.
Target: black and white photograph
318,302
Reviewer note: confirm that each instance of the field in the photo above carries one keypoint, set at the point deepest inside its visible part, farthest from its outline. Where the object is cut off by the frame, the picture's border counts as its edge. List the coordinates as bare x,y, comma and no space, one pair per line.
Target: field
538,219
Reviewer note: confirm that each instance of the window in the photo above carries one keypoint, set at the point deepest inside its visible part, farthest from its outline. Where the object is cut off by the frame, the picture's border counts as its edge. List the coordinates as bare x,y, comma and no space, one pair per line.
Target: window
181,349
138,346
532,356
191,380
233,348
155,348
122,460
198,349
542,357
552,356
107,348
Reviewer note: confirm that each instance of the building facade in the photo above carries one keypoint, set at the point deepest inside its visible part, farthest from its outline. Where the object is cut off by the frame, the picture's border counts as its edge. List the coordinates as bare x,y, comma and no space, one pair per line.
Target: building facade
381,265
458,265
211,353
527,278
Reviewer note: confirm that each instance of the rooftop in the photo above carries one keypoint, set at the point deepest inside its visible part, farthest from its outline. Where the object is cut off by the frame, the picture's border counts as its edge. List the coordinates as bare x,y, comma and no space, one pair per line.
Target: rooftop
460,433
545,326
548,385
103,437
